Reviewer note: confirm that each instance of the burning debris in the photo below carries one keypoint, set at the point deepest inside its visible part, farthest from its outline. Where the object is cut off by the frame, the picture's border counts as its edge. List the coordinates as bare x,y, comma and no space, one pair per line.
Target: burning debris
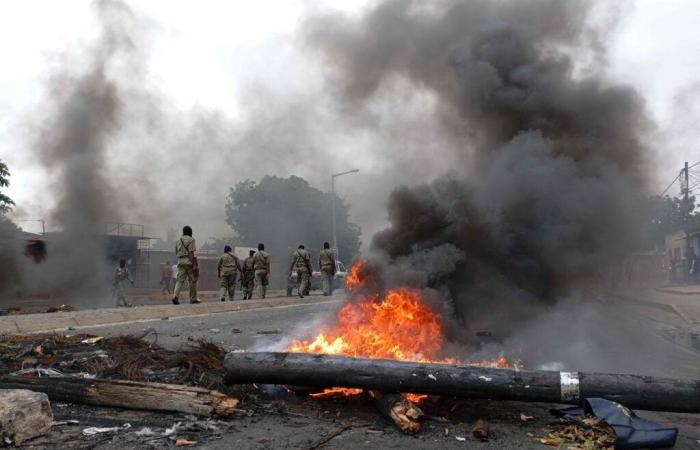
396,324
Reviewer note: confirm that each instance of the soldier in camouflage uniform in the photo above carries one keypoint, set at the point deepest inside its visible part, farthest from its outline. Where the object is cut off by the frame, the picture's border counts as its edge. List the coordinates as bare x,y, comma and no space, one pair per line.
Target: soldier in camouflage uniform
302,261
248,276
227,270
187,269
121,276
261,264
326,263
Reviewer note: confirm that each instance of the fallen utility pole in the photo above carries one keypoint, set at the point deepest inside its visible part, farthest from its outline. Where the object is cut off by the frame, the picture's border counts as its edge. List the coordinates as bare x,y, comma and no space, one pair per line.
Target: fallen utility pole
634,391
127,394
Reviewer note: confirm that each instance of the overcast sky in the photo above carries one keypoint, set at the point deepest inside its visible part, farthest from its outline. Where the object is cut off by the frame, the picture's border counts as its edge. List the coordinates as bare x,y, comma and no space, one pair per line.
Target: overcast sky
205,56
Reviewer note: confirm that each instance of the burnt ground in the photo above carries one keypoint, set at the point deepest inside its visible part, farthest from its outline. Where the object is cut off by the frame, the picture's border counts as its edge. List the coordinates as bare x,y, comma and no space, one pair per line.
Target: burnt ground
272,418
297,422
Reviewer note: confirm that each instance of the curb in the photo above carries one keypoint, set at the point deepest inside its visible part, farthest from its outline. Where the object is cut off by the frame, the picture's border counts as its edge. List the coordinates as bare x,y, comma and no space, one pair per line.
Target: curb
667,307
662,306
675,291
62,321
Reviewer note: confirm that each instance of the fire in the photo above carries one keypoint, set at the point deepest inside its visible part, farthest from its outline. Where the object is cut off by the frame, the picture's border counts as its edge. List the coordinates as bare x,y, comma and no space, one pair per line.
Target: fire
396,325
399,326
353,279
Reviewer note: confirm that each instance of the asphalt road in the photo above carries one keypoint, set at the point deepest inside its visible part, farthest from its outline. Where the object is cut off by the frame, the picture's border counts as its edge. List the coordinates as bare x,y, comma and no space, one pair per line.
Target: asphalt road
289,421
251,330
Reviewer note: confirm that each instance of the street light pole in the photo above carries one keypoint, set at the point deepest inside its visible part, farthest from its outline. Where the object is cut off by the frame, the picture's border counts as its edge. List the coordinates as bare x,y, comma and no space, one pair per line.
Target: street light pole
335,237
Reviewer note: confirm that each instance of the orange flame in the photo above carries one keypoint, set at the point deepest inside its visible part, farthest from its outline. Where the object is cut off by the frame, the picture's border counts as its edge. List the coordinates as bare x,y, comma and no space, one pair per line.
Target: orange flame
398,325
353,279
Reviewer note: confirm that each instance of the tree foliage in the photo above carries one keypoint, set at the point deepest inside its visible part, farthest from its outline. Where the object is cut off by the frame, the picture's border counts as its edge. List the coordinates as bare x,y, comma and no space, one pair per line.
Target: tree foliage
667,215
6,202
285,212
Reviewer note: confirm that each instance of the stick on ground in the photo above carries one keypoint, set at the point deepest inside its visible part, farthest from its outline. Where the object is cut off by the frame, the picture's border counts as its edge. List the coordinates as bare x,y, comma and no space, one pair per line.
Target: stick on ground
328,437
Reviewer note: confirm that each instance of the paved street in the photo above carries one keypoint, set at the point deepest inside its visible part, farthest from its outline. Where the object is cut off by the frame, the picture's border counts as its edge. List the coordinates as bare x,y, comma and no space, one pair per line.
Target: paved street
245,329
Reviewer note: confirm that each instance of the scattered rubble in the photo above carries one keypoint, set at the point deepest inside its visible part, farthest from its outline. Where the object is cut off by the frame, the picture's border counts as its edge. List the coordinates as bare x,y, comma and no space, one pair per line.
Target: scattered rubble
58,362
119,358
592,434
60,308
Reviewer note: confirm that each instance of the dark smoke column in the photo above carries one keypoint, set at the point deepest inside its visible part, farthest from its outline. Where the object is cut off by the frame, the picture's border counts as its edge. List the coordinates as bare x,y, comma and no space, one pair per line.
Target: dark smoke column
83,110
557,159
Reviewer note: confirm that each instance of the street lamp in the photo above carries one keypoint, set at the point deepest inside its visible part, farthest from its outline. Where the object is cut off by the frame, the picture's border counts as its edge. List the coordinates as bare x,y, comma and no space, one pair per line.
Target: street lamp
333,177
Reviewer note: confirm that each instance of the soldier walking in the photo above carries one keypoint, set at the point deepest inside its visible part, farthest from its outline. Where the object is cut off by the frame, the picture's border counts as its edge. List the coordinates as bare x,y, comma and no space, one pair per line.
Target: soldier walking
121,276
326,263
227,270
248,276
261,264
187,269
302,261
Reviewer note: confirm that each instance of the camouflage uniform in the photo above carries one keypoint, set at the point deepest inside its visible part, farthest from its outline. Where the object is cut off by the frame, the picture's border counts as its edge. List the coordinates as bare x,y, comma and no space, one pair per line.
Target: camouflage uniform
327,266
185,268
228,268
248,277
261,262
121,277
302,261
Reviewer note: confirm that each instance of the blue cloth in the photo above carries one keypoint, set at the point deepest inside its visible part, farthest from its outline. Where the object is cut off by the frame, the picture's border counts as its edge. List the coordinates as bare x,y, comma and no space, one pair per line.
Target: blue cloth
631,431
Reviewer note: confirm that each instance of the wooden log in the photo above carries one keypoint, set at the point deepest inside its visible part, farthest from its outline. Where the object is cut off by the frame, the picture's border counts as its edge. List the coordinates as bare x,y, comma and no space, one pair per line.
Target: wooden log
396,408
127,394
634,391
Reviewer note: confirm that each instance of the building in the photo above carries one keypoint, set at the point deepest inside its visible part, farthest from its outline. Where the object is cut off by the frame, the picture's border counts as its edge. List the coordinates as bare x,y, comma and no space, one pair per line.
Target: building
681,249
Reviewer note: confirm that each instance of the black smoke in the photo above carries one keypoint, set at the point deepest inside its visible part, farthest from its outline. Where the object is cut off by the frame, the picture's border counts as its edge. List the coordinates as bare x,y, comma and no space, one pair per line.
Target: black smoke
81,115
553,155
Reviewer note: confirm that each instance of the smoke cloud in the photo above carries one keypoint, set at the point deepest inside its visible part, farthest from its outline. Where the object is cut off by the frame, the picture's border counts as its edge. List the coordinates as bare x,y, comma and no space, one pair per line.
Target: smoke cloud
522,168
549,157
82,112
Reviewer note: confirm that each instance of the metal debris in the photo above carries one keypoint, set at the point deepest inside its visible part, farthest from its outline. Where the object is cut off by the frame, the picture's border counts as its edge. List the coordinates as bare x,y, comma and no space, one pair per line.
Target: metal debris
91,431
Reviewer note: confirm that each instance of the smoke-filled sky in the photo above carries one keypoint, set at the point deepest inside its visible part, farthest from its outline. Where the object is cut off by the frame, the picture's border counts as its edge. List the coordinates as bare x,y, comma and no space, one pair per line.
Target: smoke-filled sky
210,95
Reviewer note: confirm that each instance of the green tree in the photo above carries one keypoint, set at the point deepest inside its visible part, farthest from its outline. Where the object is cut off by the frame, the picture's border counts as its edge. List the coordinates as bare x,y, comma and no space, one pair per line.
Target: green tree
665,215
6,202
10,244
285,212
